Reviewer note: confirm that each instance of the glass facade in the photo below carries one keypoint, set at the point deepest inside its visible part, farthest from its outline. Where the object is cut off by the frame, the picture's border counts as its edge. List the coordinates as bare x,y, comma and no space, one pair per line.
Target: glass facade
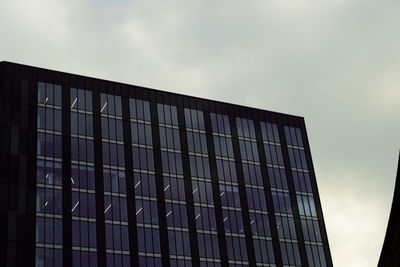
84,241
202,189
174,188
255,193
115,195
305,197
144,184
228,186
280,195
49,222
198,183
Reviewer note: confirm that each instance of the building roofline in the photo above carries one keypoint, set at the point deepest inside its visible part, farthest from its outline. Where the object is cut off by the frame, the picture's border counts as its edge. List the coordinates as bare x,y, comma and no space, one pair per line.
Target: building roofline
151,89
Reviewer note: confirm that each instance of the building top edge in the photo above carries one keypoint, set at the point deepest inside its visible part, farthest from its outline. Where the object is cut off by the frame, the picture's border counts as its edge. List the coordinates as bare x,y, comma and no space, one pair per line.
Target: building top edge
301,118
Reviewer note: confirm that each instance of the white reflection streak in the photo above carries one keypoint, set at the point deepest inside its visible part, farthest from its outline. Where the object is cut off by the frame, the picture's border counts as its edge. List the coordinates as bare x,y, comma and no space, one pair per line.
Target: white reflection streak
168,213
45,204
198,215
103,107
194,191
138,183
166,187
222,194
72,180
139,211
109,206
76,205
226,218
251,221
73,104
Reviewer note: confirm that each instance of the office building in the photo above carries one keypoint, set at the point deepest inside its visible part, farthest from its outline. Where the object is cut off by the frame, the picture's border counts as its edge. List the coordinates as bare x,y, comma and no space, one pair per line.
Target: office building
99,173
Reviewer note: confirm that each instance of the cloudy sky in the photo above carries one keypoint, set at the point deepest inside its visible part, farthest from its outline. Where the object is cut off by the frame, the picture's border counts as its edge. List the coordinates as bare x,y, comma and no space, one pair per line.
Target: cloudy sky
334,62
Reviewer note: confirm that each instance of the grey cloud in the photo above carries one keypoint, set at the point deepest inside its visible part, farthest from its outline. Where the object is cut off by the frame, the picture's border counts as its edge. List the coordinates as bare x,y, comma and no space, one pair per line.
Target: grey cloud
334,62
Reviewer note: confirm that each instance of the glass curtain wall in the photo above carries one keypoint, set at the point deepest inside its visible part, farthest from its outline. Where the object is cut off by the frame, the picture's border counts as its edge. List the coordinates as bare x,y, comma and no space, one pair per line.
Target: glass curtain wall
115,208
305,197
84,243
144,184
280,195
174,189
202,189
257,203
229,192
49,176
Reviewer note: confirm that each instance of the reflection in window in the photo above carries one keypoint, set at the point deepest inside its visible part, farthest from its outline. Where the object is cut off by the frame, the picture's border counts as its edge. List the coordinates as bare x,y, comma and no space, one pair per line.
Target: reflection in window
255,195
49,95
110,105
304,196
280,194
174,189
144,184
201,187
228,186
83,203
306,205
115,206
49,176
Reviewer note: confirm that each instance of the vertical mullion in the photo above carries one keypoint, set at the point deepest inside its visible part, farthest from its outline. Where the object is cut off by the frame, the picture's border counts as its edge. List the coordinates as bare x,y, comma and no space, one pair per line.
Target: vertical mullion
216,193
292,195
131,204
159,185
268,195
99,184
66,174
194,246
242,192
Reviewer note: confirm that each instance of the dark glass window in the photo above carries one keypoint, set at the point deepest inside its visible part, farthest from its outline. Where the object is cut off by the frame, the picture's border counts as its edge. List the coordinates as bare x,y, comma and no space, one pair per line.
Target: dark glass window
139,109
285,226
115,206
82,179
254,189
167,114
174,189
110,104
48,181
80,99
232,214
144,180
315,255
201,187
304,195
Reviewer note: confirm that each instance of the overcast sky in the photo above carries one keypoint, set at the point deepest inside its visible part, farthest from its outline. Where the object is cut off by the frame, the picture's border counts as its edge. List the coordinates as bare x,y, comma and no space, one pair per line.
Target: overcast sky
334,62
